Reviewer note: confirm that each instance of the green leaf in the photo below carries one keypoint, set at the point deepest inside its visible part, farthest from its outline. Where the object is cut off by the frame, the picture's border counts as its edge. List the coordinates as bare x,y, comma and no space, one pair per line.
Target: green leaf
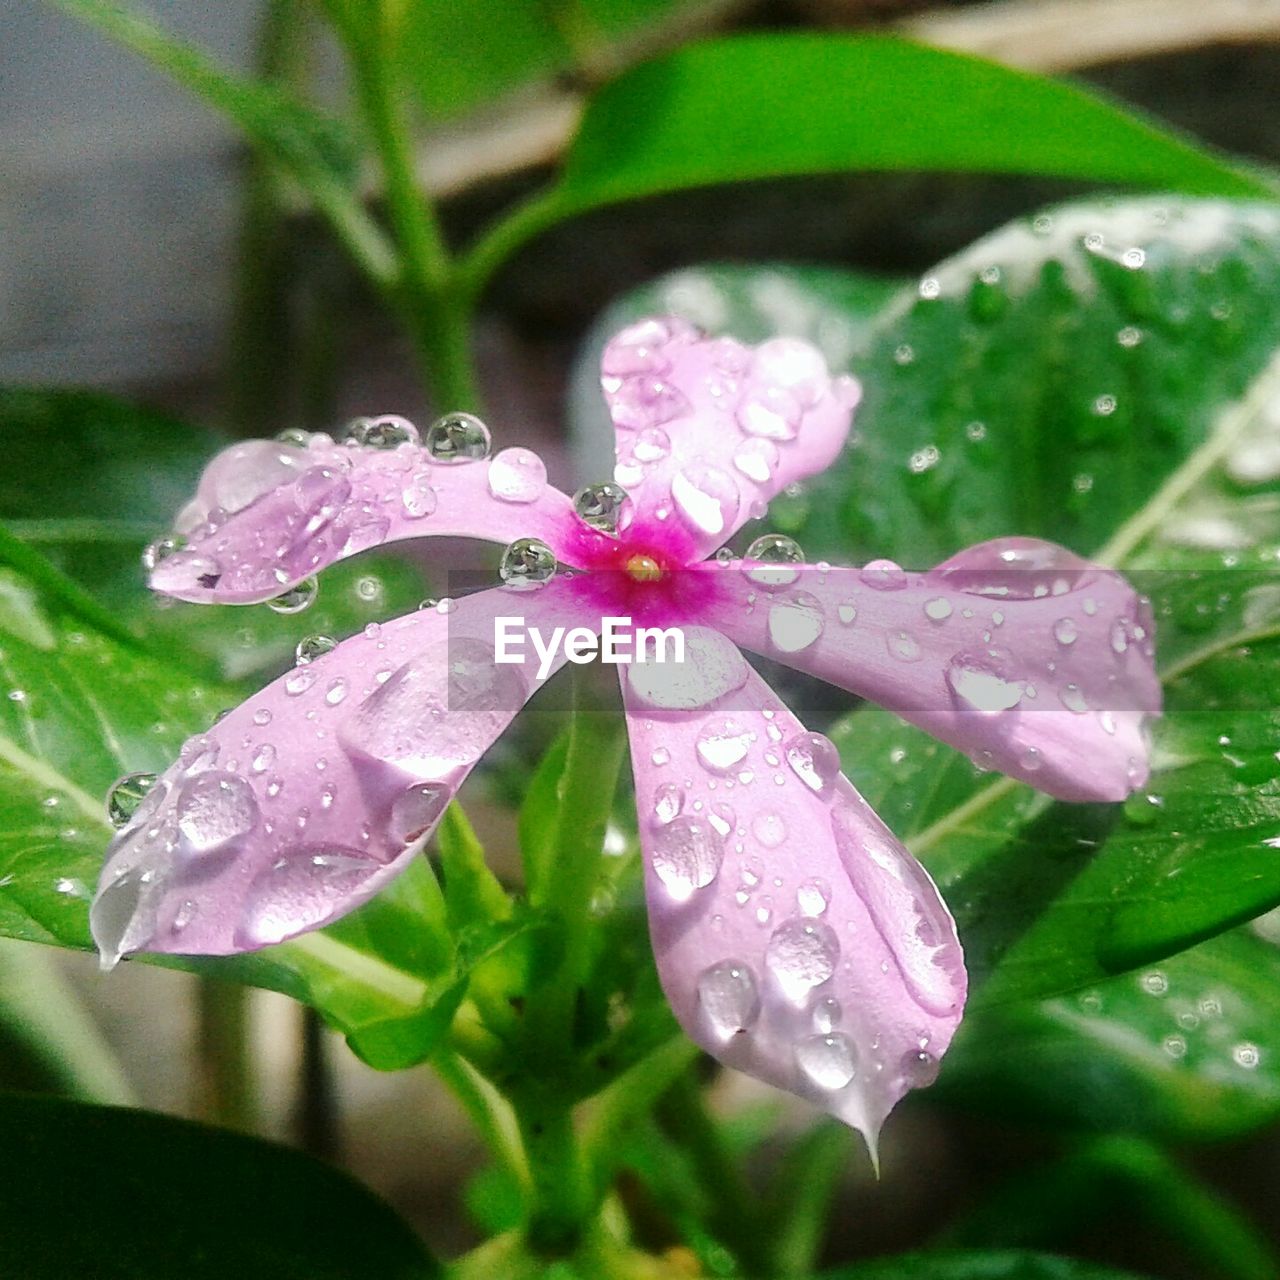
1187,1049
1042,382
461,56
768,106
979,1264
90,480
125,1195
312,148
81,709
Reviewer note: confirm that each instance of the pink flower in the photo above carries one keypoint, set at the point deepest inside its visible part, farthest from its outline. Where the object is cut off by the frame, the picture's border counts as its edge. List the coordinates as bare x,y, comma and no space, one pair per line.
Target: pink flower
796,938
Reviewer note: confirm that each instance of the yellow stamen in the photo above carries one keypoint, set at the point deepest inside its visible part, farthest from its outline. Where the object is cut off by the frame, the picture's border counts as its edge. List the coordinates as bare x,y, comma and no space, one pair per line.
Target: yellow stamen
644,568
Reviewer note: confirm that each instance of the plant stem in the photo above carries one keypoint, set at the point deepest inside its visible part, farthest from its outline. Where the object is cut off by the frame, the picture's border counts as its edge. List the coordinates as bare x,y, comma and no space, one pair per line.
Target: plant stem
564,1199
227,1081
424,293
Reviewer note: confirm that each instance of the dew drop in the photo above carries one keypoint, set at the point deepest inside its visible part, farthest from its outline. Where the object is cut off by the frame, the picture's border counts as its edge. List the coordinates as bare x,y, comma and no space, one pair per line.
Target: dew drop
769,829
771,559
982,685
686,856
723,744
457,437
668,801
795,623
418,497
302,889
297,682
1065,631
337,692
126,797
416,810
728,997
771,412
517,475
527,562
160,550
813,897
604,506
1072,697
706,497
939,609
214,810
883,575
757,459
297,598
310,648
828,1060
801,955
815,761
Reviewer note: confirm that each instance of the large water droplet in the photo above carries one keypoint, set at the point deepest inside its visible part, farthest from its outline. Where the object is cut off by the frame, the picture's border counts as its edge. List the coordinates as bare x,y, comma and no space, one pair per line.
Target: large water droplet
712,668
770,559
123,915
1014,569
771,412
127,796
312,647
297,598
604,506
303,888
214,810
416,810
643,400
517,475
801,955
160,550
794,364
686,855
527,562
795,623
457,437
387,432
757,459
829,1060
883,575
706,497
983,683
813,897
723,744
728,997
815,761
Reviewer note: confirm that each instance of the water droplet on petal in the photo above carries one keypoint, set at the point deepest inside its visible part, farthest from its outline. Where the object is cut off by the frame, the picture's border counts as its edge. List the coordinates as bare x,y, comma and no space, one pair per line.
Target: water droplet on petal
643,400
983,683
336,692
160,550
1072,697
296,598
418,497
723,744
795,623
387,432
801,955
299,681
757,459
828,1061
769,829
686,856
1065,631
126,797
527,562
668,801
919,1068
728,997
883,575
302,889
416,810
517,475
827,1014
770,559
214,810
706,497
771,412
605,507
815,761
903,646
939,609
263,758
312,647
651,445
457,437
813,897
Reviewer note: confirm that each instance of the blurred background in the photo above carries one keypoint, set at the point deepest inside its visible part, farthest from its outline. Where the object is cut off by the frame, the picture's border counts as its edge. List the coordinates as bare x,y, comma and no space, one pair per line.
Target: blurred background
137,256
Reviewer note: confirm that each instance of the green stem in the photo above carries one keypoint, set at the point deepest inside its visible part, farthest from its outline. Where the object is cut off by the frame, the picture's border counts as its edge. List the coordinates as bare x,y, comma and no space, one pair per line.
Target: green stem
259,326
227,1082
424,293
527,220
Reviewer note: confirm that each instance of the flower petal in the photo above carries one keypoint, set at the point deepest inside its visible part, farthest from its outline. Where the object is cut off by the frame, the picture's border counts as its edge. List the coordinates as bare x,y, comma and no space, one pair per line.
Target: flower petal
796,939
1033,661
268,514
708,430
306,799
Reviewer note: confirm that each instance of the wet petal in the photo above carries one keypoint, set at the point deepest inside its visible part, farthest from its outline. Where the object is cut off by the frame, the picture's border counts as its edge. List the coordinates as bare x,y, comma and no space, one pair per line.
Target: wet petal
708,429
310,796
797,940
1031,660
269,514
